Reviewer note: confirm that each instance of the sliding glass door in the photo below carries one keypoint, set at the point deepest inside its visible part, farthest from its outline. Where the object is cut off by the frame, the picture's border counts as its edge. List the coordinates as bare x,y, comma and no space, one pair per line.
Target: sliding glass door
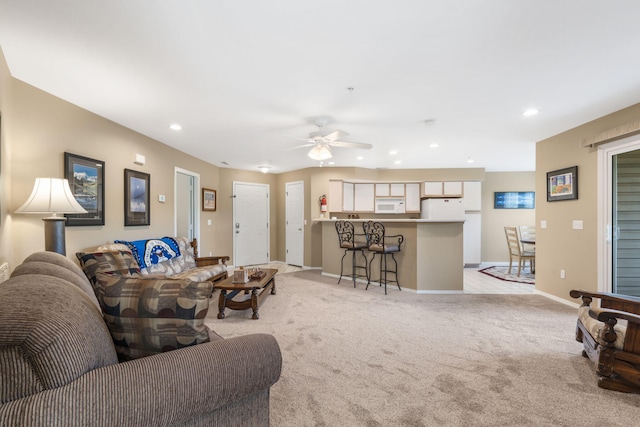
625,223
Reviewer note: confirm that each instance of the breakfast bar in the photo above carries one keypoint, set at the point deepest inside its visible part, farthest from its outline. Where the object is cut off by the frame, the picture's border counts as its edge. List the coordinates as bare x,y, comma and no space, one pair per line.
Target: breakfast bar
431,259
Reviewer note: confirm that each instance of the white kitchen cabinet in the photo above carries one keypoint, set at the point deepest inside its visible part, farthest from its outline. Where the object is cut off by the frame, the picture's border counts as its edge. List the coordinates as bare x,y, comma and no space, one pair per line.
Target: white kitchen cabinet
382,189
472,196
472,239
412,197
364,197
335,196
397,190
442,189
347,197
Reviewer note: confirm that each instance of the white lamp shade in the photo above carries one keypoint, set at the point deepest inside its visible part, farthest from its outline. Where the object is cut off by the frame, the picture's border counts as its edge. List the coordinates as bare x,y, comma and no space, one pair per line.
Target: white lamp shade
51,195
320,152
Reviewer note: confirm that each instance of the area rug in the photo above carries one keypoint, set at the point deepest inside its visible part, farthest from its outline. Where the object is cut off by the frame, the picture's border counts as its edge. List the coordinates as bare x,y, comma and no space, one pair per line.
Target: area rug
360,358
502,273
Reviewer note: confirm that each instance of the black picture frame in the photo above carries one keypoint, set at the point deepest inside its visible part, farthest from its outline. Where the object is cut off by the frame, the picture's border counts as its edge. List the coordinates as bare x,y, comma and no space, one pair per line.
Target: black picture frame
562,184
86,180
137,206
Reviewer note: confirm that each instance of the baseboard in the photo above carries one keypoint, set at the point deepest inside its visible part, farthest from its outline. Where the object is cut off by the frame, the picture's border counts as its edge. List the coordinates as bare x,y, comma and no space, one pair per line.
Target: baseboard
557,299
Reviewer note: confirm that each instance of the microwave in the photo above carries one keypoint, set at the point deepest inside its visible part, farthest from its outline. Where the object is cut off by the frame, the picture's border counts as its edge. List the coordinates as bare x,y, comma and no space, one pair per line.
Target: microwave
390,206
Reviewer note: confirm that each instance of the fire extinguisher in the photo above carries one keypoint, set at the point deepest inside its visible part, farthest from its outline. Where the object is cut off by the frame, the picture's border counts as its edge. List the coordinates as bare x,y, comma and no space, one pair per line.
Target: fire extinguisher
323,203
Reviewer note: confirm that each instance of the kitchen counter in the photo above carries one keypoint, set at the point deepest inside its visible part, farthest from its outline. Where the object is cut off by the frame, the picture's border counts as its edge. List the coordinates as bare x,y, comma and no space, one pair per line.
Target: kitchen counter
431,257
384,221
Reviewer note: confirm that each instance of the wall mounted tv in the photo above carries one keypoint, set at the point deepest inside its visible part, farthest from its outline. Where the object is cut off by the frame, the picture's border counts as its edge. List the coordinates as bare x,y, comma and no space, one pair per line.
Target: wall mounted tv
514,200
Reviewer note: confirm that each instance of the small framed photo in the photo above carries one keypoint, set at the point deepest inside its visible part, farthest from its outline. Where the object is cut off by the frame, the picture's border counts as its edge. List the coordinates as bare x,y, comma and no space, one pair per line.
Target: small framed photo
136,198
562,184
209,199
86,180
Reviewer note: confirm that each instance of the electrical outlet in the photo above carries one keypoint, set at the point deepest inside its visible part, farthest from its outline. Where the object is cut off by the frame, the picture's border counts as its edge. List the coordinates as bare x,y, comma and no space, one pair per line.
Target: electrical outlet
208,222
562,274
577,224
543,223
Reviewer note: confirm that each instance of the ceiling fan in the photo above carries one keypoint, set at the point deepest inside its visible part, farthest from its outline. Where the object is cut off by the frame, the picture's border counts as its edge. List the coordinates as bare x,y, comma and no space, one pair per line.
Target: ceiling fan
322,142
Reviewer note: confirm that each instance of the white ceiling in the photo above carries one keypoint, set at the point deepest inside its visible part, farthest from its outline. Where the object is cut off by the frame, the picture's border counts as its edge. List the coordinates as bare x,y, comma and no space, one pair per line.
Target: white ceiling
246,78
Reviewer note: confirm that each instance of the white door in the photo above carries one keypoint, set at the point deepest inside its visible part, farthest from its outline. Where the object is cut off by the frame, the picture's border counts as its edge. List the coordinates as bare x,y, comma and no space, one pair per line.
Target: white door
186,204
295,222
250,224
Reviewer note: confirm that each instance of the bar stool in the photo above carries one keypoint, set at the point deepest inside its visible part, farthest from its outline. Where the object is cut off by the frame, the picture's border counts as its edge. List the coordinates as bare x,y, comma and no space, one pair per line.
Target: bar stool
382,245
351,242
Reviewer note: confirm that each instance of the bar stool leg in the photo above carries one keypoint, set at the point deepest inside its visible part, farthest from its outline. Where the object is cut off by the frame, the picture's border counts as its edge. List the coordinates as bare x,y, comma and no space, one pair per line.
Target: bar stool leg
342,266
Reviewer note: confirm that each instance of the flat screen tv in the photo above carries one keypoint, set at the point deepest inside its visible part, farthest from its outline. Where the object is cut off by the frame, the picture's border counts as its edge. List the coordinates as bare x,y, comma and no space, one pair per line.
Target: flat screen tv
514,200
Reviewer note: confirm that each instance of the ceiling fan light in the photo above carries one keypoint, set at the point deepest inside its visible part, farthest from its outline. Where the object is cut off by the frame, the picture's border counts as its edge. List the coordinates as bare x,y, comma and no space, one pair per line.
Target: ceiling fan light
320,152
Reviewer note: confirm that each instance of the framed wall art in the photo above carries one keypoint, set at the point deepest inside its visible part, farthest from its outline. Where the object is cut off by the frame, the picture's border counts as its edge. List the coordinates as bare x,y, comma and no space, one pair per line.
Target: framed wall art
562,184
86,180
209,199
514,200
136,198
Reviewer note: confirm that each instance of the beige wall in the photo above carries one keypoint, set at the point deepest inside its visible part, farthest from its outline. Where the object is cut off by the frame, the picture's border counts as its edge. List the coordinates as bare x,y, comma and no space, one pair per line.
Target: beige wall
494,243
37,128
559,246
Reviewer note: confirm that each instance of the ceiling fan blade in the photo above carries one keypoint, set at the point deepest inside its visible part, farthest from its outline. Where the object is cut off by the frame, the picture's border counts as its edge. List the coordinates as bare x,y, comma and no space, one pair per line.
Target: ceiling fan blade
311,144
336,134
345,144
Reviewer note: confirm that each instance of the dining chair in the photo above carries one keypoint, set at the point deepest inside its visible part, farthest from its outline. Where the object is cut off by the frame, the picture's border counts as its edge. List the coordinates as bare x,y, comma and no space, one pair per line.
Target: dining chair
352,242
515,251
527,233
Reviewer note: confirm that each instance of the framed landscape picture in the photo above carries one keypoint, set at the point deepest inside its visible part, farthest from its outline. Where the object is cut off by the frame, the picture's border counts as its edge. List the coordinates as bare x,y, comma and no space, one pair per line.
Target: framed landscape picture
208,199
562,184
86,180
136,198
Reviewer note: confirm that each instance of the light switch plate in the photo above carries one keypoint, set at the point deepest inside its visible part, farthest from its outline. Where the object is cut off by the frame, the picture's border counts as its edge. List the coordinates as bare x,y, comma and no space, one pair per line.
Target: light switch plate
161,198
543,223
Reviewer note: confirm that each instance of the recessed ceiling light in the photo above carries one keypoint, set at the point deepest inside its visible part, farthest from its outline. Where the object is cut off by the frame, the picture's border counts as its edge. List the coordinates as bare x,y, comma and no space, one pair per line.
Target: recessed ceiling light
469,160
359,158
175,126
393,152
434,145
397,162
332,163
530,112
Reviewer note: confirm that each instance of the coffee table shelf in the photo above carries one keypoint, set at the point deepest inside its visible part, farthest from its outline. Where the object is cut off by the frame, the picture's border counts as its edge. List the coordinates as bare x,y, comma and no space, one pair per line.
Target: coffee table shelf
259,288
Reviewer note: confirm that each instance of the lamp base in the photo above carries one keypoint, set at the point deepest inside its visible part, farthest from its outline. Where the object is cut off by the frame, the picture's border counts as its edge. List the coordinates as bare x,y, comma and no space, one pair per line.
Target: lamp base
54,238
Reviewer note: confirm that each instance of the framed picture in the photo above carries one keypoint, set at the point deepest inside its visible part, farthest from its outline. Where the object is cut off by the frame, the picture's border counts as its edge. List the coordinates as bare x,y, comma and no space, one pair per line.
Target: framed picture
208,199
86,180
562,184
514,200
136,198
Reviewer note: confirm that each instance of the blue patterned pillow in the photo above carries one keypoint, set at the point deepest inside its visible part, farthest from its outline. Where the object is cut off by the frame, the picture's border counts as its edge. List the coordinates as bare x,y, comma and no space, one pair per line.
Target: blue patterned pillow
152,251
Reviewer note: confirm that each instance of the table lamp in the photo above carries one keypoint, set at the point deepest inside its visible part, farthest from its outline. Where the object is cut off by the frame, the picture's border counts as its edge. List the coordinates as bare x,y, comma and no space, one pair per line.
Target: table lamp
52,196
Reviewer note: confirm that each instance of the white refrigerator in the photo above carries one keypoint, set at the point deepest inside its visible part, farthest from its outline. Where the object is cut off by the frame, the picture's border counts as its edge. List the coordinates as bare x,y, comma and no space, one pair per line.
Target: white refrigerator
442,209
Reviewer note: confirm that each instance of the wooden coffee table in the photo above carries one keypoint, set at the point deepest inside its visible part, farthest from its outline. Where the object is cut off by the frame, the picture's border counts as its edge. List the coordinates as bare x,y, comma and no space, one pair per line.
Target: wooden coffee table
258,288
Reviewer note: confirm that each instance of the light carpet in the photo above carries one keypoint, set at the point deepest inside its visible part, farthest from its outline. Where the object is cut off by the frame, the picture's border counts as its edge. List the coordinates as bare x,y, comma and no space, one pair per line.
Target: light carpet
359,358
502,273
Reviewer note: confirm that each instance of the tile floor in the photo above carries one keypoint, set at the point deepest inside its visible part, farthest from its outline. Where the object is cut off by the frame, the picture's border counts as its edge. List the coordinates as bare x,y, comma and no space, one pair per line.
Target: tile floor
474,281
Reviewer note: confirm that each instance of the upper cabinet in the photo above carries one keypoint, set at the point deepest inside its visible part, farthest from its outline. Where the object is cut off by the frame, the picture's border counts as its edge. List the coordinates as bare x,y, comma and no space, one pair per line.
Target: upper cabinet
442,189
335,196
412,198
347,197
473,196
364,197
382,189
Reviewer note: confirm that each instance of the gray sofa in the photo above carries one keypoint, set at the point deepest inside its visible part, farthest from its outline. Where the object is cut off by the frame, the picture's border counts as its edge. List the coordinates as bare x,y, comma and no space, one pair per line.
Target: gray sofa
58,365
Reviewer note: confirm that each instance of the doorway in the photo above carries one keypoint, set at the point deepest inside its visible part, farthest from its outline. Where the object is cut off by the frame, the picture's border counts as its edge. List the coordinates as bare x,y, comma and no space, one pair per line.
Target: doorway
186,204
294,194
620,237
250,223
